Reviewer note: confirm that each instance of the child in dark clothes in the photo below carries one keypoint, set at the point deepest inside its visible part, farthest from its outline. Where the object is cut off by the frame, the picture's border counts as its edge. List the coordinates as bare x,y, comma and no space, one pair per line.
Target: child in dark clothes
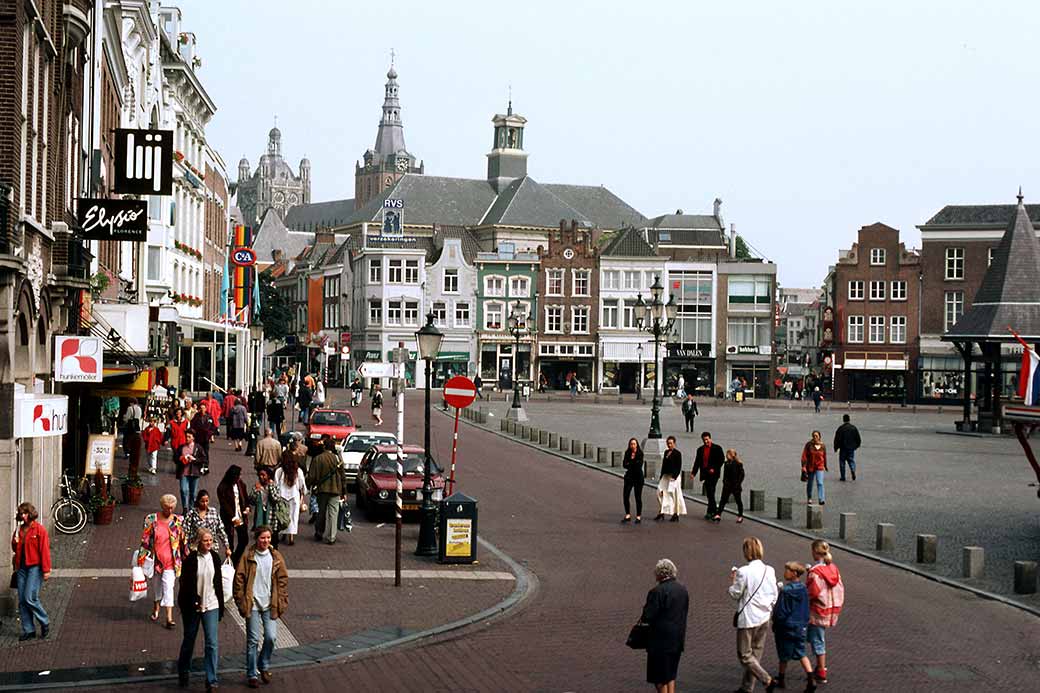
790,623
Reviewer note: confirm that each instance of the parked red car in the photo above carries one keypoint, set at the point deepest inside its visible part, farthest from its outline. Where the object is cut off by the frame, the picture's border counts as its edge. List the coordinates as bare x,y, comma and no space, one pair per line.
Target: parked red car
337,423
377,479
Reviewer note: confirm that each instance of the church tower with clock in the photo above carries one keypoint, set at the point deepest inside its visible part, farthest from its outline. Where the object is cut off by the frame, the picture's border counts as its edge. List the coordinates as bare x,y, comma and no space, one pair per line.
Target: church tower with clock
273,185
389,160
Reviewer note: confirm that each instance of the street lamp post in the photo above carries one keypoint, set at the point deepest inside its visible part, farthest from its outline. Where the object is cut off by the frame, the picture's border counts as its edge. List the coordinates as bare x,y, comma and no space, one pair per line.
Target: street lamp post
517,327
639,378
656,318
428,337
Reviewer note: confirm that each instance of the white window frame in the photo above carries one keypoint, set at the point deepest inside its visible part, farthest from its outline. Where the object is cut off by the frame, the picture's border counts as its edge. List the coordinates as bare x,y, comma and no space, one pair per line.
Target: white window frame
375,312
610,315
498,307
609,279
876,332
877,290
394,312
411,271
557,277
954,265
897,329
954,300
584,274
395,267
634,275
855,289
855,329
462,314
898,290
375,271
580,312
411,313
629,315
451,276
496,278
554,319
878,256
440,313
517,281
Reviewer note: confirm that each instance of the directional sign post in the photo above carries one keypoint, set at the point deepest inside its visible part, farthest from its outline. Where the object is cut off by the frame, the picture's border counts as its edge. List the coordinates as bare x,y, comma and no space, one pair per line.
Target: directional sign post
372,369
459,392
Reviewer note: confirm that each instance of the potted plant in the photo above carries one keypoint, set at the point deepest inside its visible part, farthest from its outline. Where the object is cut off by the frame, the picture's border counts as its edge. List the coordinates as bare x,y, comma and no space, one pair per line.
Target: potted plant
101,505
132,488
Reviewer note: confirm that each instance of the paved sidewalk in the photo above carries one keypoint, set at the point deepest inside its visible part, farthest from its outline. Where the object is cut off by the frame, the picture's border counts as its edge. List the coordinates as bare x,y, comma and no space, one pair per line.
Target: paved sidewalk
336,592
966,490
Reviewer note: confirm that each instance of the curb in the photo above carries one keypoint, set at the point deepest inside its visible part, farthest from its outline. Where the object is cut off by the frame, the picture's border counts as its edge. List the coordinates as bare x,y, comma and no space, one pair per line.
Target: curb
74,677
985,594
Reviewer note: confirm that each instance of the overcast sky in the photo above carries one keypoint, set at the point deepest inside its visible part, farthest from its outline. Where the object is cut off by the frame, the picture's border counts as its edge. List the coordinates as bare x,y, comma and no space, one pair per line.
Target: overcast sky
808,119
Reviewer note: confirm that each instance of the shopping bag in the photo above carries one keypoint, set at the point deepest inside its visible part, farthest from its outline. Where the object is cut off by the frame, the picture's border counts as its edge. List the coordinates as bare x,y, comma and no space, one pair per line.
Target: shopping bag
343,519
148,566
138,584
227,578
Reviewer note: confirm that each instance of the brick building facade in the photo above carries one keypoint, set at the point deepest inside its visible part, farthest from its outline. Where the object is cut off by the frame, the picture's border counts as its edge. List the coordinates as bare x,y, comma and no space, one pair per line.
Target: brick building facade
877,288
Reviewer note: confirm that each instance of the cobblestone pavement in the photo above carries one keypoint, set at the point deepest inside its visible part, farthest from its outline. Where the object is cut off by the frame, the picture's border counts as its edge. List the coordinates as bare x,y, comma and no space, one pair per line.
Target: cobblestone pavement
911,472
898,632
94,624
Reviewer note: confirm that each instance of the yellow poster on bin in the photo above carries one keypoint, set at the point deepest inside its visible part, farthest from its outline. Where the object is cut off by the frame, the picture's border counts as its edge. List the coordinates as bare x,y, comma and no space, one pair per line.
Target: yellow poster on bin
460,538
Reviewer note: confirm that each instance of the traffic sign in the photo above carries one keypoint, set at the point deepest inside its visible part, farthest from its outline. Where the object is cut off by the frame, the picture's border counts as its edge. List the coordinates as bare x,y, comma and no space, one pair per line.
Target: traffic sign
460,392
243,257
373,369
344,338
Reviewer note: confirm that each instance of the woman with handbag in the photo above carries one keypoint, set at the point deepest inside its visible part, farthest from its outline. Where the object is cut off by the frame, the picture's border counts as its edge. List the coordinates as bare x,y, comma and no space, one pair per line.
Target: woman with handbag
32,565
264,502
662,627
201,601
814,464
161,541
755,590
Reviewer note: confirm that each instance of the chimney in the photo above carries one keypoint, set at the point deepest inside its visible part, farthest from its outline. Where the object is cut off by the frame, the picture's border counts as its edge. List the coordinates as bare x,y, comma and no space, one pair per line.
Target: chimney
732,235
717,208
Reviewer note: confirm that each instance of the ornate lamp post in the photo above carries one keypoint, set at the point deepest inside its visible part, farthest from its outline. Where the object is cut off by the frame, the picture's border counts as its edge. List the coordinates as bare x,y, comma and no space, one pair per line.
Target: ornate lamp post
639,378
656,318
518,328
428,337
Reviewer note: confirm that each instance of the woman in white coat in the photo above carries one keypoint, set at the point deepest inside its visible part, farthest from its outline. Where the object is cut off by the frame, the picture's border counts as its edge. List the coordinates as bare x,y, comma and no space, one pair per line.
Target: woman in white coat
754,588
292,487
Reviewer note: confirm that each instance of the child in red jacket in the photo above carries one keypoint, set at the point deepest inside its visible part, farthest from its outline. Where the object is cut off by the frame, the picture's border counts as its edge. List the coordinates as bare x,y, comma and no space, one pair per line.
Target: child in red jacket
152,438
826,599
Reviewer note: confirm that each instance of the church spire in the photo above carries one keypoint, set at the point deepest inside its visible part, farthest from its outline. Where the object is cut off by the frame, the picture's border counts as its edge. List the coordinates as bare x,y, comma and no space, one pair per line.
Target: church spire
390,138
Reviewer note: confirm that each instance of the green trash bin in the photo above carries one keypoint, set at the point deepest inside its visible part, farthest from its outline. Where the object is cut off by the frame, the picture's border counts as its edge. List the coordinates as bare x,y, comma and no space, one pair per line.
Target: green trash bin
458,530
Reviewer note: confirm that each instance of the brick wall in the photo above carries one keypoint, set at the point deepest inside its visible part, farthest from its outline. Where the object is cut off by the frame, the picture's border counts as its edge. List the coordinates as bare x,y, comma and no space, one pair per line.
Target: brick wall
933,266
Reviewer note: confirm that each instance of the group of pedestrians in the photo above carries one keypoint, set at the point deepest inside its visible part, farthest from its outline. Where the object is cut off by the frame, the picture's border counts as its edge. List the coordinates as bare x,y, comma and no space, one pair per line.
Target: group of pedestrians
798,614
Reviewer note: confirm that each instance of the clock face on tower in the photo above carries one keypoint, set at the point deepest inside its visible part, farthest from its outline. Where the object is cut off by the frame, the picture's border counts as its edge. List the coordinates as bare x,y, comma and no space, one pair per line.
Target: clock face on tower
402,164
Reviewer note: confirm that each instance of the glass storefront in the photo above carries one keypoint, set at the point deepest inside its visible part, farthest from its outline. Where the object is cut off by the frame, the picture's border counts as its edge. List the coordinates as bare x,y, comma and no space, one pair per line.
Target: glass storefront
496,365
626,376
942,378
558,372
756,375
877,386
698,376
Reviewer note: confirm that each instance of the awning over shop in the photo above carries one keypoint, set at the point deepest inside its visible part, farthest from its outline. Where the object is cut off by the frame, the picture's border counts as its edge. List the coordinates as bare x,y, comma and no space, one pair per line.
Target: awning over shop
119,383
626,351
875,361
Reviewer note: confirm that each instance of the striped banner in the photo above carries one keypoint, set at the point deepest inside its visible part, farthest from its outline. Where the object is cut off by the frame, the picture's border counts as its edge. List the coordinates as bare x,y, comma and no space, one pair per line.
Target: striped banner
243,279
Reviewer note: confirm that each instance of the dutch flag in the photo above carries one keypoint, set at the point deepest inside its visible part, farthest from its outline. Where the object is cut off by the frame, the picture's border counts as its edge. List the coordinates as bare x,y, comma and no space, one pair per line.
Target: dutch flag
1029,376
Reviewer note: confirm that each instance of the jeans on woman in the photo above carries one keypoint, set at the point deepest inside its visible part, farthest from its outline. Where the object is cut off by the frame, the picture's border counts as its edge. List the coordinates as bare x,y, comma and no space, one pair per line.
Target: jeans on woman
30,578
189,488
210,621
817,478
634,483
260,625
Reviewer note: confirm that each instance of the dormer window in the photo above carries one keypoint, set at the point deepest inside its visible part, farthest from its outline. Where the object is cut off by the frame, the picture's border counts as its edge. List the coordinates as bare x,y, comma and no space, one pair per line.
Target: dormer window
877,256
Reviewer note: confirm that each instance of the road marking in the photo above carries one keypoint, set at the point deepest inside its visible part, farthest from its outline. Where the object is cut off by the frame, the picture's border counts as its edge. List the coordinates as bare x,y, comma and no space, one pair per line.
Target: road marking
316,574
285,637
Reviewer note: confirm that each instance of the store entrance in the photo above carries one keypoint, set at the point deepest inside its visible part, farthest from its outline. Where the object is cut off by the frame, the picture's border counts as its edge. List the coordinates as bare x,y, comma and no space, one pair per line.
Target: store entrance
877,386
557,373
628,377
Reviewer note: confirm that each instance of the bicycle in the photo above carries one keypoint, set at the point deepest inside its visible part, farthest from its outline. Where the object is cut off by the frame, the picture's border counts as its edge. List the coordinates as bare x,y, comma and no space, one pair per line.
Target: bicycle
70,515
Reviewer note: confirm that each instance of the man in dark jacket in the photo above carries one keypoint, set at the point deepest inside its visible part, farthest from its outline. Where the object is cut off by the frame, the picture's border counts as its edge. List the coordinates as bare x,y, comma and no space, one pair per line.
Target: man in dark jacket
709,460
846,442
689,410
665,611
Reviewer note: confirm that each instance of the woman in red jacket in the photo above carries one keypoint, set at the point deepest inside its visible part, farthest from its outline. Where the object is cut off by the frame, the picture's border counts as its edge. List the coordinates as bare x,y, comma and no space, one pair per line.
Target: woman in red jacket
32,563
814,464
178,427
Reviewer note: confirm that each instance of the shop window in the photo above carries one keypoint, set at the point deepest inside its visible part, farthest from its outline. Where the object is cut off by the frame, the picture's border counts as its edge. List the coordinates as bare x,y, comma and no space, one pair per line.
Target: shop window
877,256
897,329
855,329
953,302
899,290
954,263
877,291
856,290
877,329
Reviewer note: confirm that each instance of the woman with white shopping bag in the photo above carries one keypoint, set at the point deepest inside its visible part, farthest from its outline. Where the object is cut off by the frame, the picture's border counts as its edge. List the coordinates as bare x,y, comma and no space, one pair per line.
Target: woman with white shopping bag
669,488
292,487
161,542
201,601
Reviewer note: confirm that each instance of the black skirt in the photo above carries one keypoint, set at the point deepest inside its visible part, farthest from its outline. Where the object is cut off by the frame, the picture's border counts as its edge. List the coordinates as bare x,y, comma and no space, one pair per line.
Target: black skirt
662,667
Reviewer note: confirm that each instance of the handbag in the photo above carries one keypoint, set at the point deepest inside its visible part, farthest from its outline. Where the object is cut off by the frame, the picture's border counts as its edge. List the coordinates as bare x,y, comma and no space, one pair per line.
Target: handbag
805,475
227,579
343,519
639,636
737,614
14,579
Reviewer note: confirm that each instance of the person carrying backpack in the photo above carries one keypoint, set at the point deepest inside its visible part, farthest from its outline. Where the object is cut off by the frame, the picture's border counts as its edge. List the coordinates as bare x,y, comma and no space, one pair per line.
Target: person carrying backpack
826,599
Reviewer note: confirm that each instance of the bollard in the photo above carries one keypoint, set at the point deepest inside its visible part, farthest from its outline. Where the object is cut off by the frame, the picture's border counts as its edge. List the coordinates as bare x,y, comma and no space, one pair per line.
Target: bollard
521,430
927,548
847,526
602,455
813,517
651,467
758,500
589,452
615,458
973,559
533,434
543,437
577,447
504,425
482,417
565,444
784,507
553,440
1025,577
886,536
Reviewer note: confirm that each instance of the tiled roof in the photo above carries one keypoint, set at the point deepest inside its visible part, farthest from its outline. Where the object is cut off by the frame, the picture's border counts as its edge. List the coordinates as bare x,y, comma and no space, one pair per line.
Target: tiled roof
433,200
470,247
981,215
684,221
628,243
271,235
317,215
1009,295
599,205
525,202
696,237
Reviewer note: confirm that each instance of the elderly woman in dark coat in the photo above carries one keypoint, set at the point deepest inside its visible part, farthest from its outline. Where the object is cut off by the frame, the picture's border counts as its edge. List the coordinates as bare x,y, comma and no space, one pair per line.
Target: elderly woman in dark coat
665,612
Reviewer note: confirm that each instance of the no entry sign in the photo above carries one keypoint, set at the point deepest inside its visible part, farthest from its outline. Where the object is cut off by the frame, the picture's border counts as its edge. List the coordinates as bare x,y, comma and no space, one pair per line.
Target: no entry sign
460,392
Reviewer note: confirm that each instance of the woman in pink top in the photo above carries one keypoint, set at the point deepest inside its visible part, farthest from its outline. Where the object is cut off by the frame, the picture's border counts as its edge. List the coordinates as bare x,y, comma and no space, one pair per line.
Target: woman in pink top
161,540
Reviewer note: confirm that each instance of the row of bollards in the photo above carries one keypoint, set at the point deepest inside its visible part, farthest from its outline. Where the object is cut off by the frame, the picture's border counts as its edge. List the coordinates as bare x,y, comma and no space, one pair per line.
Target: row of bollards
926,545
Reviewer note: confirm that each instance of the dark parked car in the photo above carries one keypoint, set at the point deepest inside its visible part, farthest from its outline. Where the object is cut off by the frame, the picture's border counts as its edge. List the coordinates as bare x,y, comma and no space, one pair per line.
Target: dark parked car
377,479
